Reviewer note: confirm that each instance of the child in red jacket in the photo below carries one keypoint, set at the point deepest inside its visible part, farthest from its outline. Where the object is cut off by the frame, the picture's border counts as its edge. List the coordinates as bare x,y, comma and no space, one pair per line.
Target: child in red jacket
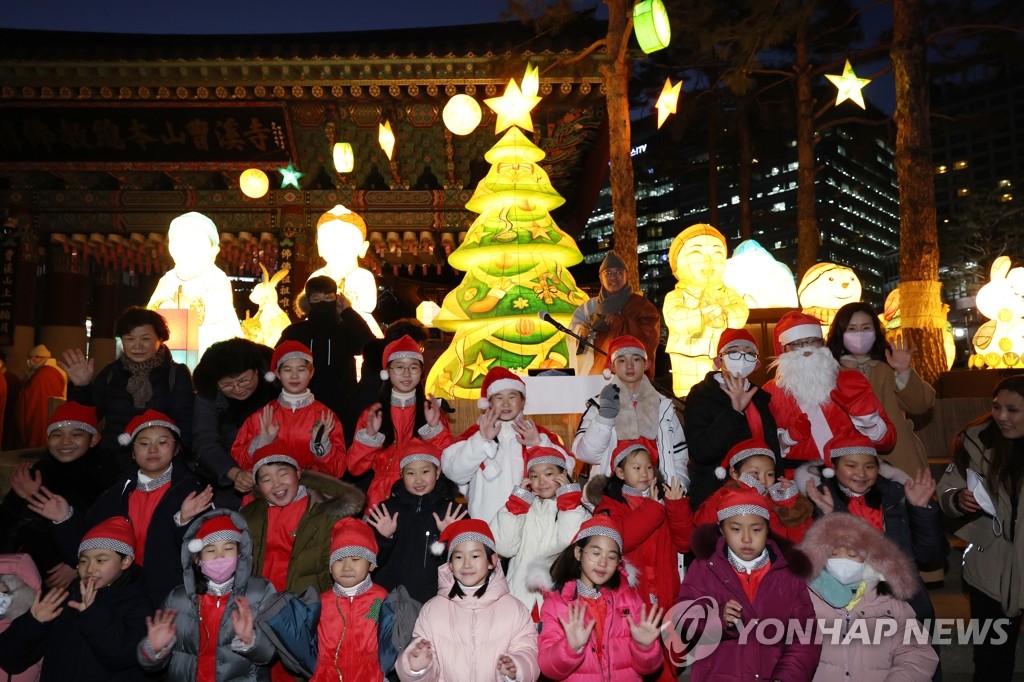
308,428
381,434
751,464
594,626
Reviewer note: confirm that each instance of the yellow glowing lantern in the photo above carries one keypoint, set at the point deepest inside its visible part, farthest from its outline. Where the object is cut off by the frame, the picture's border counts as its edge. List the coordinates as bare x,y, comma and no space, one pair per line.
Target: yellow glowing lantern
531,81
344,159
461,115
386,138
651,25
762,281
1000,341
254,183
825,288
513,108
849,86
426,312
668,100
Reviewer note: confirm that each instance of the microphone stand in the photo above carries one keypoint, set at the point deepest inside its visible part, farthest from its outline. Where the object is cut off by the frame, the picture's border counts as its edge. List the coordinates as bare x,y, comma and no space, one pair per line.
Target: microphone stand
546,316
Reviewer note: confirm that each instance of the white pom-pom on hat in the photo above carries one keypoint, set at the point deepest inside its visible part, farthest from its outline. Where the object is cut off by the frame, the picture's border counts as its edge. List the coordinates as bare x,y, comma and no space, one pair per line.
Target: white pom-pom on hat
124,439
483,403
606,373
384,375
437,548
721,473
195,545
270,376
828,472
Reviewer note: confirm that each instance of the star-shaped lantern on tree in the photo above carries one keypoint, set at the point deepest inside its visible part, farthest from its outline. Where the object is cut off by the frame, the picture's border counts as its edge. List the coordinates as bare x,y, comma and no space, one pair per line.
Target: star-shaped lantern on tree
668,100
290,176
849,86
513,108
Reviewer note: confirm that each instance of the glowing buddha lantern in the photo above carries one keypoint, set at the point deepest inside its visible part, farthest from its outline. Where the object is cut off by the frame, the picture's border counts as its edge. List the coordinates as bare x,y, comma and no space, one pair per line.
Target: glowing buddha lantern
651,25
344,159
254,183
461,115
825,288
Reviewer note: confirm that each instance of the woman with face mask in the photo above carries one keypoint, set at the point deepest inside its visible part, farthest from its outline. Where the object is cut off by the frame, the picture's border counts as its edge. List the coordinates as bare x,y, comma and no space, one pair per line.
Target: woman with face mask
858,342
724,409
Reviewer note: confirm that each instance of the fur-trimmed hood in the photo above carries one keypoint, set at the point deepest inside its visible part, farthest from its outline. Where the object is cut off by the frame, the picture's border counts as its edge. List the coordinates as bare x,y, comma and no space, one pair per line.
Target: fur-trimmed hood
880,553
707,540
594,490
340,499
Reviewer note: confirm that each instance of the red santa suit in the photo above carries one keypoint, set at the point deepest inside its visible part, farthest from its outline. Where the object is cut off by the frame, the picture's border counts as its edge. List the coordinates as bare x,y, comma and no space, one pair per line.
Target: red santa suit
299,417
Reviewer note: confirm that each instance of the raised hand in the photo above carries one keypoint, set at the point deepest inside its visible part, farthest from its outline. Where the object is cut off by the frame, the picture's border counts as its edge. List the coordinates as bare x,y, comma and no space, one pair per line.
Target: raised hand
646,630
327,421
920,488
49,607
561,479
195,504
374,418
488,422
526,432
735,388
386,524
506,666
899,355
608,401
160,629
420,655
577,631
49,505
88,586
242,622
24,483
675,491
268,427
242,479
821,499
60,576
654,490
80,370
450,517
432,410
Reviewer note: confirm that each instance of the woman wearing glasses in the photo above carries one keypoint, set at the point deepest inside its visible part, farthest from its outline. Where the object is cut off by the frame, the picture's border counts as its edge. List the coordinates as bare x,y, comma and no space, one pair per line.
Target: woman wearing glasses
229,388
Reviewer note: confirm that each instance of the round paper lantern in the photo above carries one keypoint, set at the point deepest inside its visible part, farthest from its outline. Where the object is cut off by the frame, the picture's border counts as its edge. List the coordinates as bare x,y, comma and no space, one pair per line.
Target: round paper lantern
344,160
254,183
461,115
651,25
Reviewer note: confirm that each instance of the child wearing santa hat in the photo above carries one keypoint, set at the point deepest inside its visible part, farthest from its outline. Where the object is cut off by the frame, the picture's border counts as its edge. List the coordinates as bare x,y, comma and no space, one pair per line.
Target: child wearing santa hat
307,428
89,632
422,504
594,624
751,464
540,519
473,629
205,631
749,579
71,467
381,434
488,459
160,495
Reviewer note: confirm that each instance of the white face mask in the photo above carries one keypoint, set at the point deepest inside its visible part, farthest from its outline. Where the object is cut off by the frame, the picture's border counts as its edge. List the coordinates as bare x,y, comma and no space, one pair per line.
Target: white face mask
846,571
976,484
741,367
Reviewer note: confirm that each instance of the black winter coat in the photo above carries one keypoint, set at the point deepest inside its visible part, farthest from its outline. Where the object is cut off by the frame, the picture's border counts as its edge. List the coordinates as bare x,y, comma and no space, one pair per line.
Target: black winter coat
712,427
95,645
405,558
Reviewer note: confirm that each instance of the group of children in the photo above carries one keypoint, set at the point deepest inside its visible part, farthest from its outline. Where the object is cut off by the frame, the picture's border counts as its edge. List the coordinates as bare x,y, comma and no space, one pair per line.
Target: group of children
592,570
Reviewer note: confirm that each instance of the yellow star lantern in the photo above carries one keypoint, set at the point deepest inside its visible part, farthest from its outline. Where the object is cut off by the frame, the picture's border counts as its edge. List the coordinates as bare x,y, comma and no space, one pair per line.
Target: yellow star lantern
849,86
531,81
386,138
513,108
667,100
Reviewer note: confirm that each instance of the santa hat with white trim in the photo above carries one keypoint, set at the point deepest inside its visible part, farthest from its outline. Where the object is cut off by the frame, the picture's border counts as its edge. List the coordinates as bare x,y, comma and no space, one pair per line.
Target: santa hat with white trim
144,421
352,537
272,453
740,501
840,446
752,447
600,525
287,350
540,454
499,379
794,326
736,338
214,529
115,534
416,450
75,415
464,530
404,348
624,448
622,345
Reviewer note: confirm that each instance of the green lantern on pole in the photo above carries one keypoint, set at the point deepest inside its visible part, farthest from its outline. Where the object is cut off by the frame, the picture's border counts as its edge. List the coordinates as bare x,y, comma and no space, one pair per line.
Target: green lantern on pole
651,24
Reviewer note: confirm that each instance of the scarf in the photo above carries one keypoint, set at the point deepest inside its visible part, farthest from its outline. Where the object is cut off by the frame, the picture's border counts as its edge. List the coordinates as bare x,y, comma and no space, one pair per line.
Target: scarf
139,387
639,413
835,593
609,303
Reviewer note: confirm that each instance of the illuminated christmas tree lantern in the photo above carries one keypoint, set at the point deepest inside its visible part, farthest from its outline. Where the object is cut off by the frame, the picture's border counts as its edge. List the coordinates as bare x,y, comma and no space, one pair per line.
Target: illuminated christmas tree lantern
254,183
651,25
344,159
461,115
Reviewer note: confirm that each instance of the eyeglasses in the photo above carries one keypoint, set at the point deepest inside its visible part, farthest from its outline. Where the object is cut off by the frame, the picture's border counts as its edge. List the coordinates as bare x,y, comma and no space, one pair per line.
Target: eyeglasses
739,355
813,342
321,298
405,369
242,383
613,272
597,556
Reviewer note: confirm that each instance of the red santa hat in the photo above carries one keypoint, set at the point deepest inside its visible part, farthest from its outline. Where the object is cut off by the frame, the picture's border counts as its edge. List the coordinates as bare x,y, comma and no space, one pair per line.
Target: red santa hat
465,530
417,451
600,525
736,337
499,379
404,348
352,537
214,529
115,534
622,345
740,501
75,415
624,448
540,454
840,446
288,350
794,326
144,421
752,447
272,453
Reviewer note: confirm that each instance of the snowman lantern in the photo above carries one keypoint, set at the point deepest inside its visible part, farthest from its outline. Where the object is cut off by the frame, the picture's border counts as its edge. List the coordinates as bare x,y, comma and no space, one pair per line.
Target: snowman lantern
825,288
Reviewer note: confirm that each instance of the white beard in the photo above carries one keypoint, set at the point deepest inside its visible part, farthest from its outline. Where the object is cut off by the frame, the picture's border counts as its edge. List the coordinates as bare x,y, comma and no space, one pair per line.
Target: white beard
811,379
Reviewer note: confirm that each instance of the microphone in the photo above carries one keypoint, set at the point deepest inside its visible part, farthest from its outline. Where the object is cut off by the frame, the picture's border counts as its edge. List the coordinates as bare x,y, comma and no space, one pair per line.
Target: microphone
546,316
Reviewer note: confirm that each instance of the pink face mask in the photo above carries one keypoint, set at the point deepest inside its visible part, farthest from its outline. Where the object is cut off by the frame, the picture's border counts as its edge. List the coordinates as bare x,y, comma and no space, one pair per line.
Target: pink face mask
859,343
219,570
